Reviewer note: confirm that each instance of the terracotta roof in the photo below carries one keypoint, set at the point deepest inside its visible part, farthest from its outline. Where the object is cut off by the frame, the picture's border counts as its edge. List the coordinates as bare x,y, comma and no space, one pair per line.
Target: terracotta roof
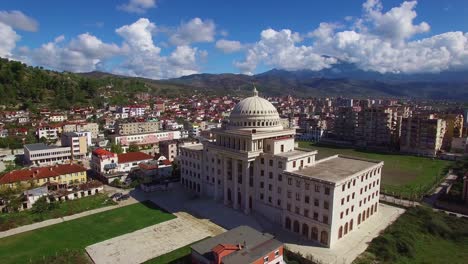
40,173
133,156
102,152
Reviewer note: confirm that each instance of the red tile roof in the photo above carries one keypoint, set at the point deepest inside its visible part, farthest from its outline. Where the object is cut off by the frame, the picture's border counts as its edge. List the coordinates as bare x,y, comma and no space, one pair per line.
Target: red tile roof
40,173
102,152
133,156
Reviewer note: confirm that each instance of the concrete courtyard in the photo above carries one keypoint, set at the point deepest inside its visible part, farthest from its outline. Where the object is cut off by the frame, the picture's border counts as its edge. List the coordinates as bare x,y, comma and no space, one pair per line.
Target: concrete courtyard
198,218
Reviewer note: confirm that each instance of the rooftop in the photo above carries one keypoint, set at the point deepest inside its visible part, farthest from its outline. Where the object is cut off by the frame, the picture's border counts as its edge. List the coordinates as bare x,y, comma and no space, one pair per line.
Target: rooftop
133,156
336,168
254,245
39,146
295,152
40,173
193,146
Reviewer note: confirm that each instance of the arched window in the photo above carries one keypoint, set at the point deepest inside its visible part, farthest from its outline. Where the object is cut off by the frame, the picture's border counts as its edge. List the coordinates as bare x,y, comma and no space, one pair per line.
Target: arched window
346,228
287,223
296,226
340,232
359,219
324,237
305,230
314,233
351,225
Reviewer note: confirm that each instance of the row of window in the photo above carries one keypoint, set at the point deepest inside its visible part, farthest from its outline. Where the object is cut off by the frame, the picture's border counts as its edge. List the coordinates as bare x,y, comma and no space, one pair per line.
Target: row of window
65,152
317,187
365,176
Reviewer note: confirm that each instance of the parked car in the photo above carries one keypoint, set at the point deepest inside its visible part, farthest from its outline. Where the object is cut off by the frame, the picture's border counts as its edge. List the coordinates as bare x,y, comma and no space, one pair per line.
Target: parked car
123,197
116,195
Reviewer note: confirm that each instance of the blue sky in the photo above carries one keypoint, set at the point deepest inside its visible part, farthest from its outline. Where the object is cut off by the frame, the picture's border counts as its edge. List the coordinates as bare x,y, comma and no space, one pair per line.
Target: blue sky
169,38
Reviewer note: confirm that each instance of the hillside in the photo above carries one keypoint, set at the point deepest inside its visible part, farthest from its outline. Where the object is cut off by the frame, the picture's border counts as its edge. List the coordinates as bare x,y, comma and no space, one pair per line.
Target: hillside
23,86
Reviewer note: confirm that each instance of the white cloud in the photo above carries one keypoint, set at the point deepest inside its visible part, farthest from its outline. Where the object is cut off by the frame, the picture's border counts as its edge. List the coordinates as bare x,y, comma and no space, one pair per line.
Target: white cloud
145,59
280,49
18,20
195,30
378,41
228,46
8,40
137,6
82,54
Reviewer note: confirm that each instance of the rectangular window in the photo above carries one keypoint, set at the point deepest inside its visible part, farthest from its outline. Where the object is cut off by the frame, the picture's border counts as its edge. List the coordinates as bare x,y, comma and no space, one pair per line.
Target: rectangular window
279,189
270,175
307,186
325,219
315,216
289,194
280,177
325,205
298,196
280,164
262,172
271,162
294,164
261,185
288,207
296,210
327,190
270,187
316,202
307,199
282,148
298,183
289,181
317,188
306,213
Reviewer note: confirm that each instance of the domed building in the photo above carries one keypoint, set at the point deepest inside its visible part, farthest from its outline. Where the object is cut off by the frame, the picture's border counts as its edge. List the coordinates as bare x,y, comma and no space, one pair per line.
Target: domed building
253,165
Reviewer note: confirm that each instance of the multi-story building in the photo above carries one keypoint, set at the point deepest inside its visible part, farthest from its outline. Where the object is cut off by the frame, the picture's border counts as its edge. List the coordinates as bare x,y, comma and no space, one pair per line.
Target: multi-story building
422,135
47,132
168,149
377,127
254,166
41,154
242,244
147,138
78,142
82,127
346,121
131,128
57,118
61,174
130,160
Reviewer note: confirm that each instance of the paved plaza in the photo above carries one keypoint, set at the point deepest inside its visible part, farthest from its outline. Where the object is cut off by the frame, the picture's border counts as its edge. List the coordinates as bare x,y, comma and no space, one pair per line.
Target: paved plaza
198,218
153,241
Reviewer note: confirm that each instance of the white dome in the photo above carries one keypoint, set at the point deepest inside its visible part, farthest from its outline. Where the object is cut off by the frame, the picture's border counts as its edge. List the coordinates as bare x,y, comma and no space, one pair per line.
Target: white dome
255,113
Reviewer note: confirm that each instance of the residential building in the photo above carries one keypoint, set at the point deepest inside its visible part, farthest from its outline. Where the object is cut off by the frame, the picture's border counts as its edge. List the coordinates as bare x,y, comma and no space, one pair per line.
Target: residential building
346,122
78,142
168,149
377,127
57,118
47,132
130,160
82,127
146,139
61,174
422,135
254,166
131,128
242,244
41,154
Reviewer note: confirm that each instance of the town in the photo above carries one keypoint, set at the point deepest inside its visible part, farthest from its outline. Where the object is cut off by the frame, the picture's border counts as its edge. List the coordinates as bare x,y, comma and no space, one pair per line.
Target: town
233,132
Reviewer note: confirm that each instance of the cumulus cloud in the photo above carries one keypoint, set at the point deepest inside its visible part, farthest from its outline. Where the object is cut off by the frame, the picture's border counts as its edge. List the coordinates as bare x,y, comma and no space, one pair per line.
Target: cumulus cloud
8,40
137,6
18,20
228,46
378,41
146,59
195,30
281,49
82,54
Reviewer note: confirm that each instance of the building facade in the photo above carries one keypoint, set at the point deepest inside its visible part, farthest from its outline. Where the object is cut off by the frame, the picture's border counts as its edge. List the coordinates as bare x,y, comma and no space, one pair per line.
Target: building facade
130,128
422,135
41,154
254,166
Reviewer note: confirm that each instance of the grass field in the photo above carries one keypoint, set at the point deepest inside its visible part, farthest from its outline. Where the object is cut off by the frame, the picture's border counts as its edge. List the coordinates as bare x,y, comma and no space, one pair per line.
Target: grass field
420,235
178,256
402,175
12,220
77,234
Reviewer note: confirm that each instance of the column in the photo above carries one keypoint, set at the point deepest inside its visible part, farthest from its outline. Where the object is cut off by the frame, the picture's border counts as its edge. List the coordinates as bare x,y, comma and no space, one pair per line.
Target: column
235,174
224,160
216,177
246,182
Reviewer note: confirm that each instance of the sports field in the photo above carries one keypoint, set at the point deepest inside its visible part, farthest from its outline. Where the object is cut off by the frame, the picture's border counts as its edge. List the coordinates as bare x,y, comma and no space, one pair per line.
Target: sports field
402,175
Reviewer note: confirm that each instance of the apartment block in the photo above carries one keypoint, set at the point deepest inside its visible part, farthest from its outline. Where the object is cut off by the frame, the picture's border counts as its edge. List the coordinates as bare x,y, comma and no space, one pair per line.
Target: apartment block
346,121
422,135
377,127
131,128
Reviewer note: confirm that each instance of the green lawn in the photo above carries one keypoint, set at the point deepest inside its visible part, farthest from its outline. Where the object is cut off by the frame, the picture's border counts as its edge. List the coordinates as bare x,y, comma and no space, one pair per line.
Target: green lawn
178,256
79,233
12,220
420,235
402,174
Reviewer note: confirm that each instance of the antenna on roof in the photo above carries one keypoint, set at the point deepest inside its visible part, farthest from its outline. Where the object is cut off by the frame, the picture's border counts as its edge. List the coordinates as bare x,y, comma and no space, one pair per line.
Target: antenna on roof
255,92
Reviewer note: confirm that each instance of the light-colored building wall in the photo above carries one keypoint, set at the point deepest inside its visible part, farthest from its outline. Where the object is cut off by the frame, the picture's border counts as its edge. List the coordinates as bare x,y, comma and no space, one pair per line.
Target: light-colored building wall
123,128
47,155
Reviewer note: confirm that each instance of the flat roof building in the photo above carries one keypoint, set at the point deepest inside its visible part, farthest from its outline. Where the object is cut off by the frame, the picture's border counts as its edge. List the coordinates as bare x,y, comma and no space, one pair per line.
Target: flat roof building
41,154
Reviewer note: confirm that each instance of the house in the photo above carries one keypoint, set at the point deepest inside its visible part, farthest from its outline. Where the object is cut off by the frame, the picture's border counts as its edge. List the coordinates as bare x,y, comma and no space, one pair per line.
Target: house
242,244
61,174
41,154
130,160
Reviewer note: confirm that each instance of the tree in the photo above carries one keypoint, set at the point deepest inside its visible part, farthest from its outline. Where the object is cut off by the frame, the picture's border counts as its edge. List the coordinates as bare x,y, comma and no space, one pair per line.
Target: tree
133,148
116,148
41,206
